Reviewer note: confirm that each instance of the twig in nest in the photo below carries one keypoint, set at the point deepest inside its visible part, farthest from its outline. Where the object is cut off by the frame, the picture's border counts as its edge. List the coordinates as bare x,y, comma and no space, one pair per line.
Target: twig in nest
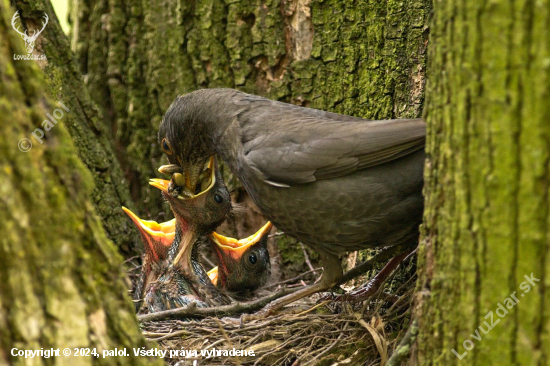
328,349
226,337
403,350
379,340
169,335
307,259
388,297
225,310
131,259
314,307
294,278
278,233
207,260
352,259
403,297
381,257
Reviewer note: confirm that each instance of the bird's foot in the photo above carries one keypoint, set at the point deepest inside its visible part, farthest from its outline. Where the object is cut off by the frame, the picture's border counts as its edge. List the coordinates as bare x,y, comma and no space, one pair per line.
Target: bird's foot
374,285
359,295
331,296
273,307
259,315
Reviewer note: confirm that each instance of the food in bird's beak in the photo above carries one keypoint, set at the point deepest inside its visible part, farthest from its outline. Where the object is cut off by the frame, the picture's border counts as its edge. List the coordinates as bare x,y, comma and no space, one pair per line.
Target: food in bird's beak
191,181
170,169
196,214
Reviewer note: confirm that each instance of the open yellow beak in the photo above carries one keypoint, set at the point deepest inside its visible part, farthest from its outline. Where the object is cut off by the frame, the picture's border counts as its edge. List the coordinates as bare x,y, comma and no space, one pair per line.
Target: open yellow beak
188,180
161,184
163,232
235,248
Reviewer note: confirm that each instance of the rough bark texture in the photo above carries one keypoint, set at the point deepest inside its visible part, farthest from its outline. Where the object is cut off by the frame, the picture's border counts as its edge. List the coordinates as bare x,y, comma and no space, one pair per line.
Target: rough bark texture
84,123
61,284
362,58
487,222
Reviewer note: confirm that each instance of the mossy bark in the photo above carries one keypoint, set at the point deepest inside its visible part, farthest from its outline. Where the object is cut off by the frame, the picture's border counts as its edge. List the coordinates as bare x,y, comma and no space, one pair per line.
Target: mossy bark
61,284
487,222
362,58
84,122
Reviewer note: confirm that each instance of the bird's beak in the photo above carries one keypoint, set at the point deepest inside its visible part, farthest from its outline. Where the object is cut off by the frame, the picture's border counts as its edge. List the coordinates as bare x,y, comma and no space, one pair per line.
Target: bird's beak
154,233
193,175
183,258
235,248
164,233
213,275
161,184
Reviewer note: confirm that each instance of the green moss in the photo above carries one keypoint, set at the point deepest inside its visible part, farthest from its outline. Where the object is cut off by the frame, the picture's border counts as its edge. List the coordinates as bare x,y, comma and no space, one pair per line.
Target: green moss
58,269
364,60
486,217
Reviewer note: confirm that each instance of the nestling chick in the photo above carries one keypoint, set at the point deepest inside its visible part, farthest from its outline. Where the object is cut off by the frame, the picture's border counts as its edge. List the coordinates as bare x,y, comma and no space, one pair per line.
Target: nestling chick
195,215
243,265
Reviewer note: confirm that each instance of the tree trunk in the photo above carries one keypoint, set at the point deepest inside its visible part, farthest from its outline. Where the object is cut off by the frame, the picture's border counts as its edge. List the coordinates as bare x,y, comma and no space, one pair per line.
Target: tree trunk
358,58
487,189
84,123
61,285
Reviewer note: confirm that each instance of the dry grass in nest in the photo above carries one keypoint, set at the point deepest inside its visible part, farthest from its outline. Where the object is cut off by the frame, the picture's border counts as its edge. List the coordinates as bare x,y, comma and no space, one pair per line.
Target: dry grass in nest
329,333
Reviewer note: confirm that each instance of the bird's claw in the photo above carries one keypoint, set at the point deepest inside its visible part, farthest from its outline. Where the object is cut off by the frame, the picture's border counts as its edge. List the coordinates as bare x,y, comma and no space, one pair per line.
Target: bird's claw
329,297
262,314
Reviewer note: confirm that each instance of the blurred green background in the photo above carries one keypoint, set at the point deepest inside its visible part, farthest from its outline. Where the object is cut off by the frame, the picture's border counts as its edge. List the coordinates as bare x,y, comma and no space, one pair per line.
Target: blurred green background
61,10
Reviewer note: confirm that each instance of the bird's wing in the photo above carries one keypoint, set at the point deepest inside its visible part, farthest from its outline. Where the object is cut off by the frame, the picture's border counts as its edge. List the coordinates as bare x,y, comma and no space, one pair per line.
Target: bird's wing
293,145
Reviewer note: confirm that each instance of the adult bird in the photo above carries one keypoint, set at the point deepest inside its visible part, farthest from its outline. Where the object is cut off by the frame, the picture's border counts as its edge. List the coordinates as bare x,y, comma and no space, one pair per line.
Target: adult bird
336,183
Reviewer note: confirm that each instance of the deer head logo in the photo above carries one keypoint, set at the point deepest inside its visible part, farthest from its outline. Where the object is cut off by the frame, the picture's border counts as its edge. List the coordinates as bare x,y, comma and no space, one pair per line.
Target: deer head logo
29,40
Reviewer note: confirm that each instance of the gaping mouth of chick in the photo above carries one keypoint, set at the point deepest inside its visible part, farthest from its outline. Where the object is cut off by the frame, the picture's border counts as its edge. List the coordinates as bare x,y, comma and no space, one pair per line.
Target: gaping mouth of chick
163,230
163,233
234,247
179,188
192,181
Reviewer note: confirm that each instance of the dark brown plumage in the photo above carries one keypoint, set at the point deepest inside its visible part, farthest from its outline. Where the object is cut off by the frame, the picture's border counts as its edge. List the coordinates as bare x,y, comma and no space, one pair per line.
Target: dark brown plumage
336,183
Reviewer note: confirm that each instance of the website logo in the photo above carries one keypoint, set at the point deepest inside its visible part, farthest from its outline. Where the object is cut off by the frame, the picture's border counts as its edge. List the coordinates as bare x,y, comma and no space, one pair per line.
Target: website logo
29,40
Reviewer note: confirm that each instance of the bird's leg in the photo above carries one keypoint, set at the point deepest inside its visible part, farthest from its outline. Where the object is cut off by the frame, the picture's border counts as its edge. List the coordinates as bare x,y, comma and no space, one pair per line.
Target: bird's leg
374,285
332,273
384,256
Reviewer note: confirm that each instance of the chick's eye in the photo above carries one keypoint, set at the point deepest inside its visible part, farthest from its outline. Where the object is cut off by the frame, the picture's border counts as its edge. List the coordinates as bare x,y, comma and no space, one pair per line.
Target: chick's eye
218,198
252,258
166,147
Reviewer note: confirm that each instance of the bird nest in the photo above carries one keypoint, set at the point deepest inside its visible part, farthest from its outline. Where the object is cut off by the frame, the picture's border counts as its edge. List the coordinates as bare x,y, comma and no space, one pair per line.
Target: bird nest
313,332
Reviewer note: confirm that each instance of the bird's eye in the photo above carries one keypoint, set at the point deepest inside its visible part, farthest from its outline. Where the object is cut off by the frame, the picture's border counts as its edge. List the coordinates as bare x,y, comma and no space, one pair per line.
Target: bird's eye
218,198
252,258
165,147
